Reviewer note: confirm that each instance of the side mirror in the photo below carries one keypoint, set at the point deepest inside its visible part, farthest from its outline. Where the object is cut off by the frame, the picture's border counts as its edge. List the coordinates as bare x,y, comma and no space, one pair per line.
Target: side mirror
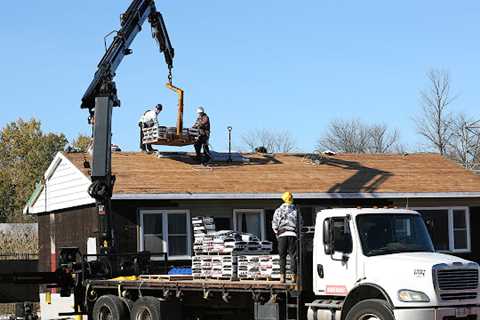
328,239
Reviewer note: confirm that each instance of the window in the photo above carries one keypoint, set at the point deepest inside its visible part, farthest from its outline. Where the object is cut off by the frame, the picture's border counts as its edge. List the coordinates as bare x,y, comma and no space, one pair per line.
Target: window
153,233
392,233
250,221
449,228
166,231
342,235
460,238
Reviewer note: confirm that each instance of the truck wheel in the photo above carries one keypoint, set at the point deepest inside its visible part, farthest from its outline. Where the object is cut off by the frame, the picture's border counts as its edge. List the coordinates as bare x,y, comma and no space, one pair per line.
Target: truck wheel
371,309
146,308
109,307
128,304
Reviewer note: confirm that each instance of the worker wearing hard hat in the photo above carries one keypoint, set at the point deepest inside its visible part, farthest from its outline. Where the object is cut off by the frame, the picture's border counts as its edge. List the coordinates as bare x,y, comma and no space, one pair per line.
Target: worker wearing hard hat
203,126
148,120
284,225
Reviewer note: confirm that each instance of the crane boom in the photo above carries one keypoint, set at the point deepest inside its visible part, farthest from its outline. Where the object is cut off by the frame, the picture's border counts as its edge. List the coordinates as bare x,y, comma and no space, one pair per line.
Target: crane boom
101,96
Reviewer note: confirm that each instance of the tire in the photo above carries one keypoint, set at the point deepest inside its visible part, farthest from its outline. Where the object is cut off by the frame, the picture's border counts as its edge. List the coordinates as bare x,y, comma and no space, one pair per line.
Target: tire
146,308
129,305
109,307
371,309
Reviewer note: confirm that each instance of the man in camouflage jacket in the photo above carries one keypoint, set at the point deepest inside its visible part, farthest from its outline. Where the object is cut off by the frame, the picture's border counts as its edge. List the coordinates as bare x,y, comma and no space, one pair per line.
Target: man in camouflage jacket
284,225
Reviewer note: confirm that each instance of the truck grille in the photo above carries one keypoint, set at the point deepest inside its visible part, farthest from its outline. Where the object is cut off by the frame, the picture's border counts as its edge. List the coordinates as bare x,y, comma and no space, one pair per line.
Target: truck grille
457,284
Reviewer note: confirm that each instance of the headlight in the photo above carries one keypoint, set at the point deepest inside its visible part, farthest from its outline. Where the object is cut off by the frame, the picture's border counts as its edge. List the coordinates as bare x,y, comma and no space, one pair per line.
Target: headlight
412,296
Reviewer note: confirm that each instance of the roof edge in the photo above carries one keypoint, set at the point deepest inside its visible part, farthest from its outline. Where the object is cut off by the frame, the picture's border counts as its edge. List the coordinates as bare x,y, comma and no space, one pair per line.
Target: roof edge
297,195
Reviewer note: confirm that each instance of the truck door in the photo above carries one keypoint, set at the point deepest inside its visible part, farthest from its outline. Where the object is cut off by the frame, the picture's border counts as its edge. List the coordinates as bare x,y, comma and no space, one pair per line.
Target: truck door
335,267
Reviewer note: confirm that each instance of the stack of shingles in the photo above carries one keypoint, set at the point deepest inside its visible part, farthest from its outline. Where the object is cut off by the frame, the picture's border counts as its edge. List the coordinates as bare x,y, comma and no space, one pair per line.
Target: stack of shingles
224,266
248,266
203,228
228,254
260,266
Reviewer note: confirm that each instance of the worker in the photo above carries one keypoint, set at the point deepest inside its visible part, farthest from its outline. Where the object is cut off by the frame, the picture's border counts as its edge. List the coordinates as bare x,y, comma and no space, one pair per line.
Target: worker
148,120
284,225
203,126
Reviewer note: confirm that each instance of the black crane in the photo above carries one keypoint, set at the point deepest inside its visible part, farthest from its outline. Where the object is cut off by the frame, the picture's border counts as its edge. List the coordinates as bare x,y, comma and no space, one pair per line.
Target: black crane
101,96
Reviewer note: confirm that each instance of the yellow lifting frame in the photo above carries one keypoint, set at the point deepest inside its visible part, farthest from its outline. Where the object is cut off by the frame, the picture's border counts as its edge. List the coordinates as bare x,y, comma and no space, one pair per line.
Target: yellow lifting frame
180,107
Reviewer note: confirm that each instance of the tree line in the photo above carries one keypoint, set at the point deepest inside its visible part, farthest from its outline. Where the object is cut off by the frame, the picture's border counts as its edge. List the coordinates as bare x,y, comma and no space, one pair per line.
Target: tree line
451,134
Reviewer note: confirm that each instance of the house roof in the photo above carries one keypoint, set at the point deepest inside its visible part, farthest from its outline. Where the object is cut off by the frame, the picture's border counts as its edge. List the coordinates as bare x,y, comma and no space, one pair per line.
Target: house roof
377,175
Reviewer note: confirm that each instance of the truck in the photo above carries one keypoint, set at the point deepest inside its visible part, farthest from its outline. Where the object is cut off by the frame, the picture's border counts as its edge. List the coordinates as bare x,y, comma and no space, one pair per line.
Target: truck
354,264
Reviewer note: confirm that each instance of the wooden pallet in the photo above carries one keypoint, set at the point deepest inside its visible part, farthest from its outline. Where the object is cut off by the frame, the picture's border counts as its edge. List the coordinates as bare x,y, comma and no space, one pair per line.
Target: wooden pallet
260,279
224,278
177,277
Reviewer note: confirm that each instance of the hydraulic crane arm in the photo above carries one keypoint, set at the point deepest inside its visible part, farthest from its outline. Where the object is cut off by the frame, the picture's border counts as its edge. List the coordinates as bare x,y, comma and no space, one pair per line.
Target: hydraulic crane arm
101,96
131,24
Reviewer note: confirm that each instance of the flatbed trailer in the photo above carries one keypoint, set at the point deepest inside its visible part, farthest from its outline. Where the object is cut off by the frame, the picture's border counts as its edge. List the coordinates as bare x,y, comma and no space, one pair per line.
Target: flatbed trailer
150,282
182,297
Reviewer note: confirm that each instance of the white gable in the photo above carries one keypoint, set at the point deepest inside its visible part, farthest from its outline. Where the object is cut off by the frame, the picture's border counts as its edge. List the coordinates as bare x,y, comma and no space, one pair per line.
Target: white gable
65,187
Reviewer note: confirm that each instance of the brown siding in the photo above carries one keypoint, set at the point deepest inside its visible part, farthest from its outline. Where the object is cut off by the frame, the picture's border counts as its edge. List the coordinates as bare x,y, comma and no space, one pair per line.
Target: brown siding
73,228
44,243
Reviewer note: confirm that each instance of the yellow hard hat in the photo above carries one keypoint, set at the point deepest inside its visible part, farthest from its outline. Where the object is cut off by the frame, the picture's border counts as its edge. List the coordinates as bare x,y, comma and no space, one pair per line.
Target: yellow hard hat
287,197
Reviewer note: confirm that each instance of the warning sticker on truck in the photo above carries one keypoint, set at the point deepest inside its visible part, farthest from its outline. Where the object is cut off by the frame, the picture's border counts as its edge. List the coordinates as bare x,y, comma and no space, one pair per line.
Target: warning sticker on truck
336,290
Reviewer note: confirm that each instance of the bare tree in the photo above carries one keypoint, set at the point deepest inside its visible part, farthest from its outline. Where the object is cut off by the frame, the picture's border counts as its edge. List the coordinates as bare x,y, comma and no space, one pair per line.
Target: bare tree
354,136
349,136
434,122
383,140
464,145
272,141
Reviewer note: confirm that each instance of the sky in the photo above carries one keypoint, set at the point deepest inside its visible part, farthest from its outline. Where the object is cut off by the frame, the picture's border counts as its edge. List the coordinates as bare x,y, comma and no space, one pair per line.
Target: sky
278,65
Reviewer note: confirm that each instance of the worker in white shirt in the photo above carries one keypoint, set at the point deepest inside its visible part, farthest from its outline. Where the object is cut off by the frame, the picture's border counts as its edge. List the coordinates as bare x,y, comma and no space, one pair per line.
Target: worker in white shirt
148,120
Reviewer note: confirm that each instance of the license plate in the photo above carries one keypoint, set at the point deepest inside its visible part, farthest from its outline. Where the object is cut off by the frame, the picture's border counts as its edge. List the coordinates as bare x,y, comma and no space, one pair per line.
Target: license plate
461,312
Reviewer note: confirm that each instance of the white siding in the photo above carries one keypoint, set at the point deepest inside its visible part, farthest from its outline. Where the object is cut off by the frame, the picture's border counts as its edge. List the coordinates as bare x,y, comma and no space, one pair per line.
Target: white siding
65,187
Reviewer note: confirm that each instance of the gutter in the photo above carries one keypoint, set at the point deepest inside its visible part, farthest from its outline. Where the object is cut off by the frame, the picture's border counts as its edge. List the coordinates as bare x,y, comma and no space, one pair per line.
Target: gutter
297,195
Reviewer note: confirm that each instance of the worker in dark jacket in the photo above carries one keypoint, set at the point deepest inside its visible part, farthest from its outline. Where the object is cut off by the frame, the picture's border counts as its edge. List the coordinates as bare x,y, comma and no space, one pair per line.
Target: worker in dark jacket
284,225
148,120
203,126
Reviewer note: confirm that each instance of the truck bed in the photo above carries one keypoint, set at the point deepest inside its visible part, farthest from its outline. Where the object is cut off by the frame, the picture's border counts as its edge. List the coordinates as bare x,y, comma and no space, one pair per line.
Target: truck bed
152,282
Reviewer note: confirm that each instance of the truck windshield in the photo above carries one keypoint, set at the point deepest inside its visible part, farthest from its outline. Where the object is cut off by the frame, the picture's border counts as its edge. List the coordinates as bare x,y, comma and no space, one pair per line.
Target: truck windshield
393,233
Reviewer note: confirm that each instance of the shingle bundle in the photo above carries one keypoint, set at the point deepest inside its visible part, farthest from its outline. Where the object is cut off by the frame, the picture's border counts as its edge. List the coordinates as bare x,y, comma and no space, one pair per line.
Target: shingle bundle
224,266
197,266
248,266
203,230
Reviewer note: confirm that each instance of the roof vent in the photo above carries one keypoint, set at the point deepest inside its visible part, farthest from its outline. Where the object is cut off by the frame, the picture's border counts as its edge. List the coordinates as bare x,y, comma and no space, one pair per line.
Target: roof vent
329,153
261,149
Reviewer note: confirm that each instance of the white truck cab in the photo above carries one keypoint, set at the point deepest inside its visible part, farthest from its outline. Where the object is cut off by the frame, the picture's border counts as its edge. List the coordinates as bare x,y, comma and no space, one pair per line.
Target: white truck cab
380,264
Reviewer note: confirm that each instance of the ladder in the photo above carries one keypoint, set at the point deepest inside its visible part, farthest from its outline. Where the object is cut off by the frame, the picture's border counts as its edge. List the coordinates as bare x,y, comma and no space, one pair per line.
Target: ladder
294,305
